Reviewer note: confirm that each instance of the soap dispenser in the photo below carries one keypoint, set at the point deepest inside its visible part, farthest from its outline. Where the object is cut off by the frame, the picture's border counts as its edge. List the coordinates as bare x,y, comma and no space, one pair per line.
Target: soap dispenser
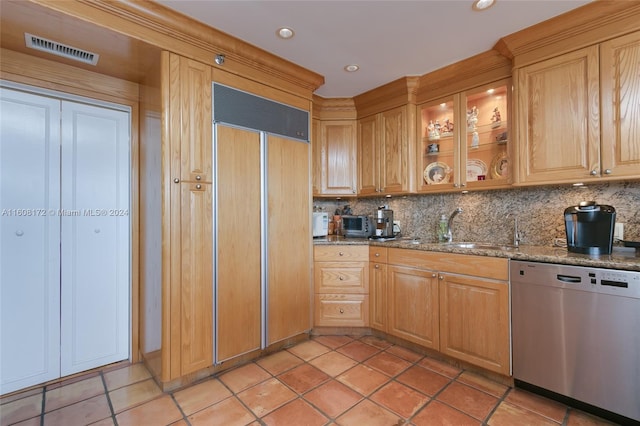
442,229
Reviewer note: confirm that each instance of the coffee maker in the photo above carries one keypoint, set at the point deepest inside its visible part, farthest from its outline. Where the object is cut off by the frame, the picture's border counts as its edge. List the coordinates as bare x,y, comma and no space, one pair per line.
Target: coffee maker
589,228
384,222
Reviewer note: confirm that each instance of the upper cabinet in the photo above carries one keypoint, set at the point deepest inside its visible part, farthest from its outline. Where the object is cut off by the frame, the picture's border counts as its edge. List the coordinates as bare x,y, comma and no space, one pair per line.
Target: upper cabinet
334,147
386,139
464,140
579,115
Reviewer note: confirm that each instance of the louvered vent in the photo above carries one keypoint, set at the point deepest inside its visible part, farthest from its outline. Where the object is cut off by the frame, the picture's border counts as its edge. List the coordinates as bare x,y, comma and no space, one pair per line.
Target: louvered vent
53,47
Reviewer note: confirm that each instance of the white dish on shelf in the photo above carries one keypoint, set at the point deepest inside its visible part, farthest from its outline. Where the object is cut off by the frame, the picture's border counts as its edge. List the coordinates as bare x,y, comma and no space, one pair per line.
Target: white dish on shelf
475,168
437,173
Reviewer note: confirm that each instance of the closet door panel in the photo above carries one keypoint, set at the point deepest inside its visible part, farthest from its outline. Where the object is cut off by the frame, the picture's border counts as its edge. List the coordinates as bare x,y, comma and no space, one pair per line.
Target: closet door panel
29,239
95,237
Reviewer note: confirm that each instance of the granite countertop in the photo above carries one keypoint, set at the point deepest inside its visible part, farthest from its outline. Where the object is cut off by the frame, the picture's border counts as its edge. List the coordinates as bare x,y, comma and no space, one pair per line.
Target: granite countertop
621,258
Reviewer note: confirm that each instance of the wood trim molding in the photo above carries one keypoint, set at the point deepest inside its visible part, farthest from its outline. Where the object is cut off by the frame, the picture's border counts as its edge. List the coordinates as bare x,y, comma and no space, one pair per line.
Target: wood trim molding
471,72
334,108
391,95
587,25
160,26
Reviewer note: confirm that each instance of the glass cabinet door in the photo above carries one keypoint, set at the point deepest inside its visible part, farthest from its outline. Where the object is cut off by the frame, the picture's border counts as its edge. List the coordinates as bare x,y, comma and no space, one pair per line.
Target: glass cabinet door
439,148
486,141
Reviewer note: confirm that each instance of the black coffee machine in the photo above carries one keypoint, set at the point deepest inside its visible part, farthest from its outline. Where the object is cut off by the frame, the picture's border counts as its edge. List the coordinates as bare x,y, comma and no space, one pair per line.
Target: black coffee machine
589,228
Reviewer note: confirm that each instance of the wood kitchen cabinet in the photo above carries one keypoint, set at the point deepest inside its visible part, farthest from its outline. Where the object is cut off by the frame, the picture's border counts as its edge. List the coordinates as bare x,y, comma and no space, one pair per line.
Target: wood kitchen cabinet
578,115
341,283
336,145
186,95
464,140
378,317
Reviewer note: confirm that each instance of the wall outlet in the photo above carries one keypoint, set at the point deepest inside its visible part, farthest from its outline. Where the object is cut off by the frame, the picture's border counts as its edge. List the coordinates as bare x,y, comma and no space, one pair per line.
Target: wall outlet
618,231
396,226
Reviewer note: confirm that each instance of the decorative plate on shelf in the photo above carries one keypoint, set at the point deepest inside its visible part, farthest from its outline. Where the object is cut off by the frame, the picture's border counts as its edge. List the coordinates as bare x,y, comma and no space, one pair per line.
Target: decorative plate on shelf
436,173
475,168
499,166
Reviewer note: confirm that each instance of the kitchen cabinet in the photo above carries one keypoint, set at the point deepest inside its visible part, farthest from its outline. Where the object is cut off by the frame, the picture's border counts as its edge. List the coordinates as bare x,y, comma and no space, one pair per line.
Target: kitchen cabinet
378,288
186,94
341,286
336,150
464,140
385,157
461,301
578,116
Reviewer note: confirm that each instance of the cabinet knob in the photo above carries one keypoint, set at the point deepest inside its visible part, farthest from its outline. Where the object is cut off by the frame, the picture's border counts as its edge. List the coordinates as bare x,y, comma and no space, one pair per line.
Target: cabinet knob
176,180
377,254
198,186
455,185
607,171
433,275
462,185
441,277
377,266
341,311
593,172
20,233
198,177
340,254
341,278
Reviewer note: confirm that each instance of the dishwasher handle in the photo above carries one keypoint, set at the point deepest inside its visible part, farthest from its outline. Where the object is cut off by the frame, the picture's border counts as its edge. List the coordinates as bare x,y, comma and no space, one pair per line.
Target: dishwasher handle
568,278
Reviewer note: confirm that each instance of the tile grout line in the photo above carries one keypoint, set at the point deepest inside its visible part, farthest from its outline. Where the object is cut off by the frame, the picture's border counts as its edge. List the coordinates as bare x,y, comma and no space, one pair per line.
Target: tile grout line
44,397
106,393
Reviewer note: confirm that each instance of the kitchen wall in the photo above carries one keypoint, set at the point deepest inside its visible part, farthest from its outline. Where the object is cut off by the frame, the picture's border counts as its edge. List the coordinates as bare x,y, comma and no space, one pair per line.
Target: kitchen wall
489,215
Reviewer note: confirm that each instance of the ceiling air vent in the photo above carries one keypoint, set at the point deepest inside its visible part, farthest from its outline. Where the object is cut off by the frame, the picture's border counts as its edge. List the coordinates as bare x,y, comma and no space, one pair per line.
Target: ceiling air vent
50,46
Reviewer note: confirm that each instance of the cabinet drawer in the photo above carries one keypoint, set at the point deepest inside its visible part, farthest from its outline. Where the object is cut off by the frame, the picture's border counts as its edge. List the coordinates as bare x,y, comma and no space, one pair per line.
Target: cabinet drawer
378,254
340,310
341,277
340,253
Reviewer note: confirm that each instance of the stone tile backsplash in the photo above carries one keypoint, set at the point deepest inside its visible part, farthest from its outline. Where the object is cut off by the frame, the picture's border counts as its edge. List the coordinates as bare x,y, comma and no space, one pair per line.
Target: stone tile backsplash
489,216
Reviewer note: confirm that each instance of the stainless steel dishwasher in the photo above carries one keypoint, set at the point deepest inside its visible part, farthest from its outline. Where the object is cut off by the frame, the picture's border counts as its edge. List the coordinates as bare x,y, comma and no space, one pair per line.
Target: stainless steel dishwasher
576,333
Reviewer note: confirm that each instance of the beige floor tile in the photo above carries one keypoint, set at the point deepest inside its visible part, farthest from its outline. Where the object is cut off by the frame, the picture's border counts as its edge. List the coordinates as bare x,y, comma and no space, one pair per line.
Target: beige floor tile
180,423
471,401
229,412
538,404
387,363
21,409
298,411
279,362
81,413
132,395
72,393
125,376
333,363
200,396
105,422
19,395
363,379
369,414
308,350
243,377
358,350
265,397
160,411
426,381
333,342
303,378
34,421
508,414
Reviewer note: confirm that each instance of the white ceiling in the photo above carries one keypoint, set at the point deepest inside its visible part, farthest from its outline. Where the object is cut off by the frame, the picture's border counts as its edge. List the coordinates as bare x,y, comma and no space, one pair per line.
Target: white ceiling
387,39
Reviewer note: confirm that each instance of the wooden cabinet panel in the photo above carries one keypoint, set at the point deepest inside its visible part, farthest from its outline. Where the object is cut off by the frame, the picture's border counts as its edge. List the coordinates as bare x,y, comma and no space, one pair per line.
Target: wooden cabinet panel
558,119
341,310
289,239
328,253
238,304
620,95
378,296
337,151
413,305
195,284
474,321
341,277
368,156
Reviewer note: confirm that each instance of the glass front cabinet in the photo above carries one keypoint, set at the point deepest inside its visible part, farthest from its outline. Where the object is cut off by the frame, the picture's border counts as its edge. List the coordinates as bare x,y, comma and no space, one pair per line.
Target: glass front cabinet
464,140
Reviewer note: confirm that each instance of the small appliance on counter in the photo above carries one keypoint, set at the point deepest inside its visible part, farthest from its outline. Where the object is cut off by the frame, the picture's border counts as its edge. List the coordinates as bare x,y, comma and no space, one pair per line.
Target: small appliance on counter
356,226
589,228
320,224
384,223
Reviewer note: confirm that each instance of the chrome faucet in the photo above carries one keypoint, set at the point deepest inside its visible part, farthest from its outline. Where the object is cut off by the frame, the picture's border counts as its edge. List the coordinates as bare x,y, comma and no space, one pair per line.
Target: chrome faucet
449,234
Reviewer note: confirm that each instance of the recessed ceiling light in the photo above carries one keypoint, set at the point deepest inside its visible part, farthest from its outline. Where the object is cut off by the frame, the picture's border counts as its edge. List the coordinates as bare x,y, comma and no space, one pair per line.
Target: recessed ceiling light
285,33
490,91
479,5
352,68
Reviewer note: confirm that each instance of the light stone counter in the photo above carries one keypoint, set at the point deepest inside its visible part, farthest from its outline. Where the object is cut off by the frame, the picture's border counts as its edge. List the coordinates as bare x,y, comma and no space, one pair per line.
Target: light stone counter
621,258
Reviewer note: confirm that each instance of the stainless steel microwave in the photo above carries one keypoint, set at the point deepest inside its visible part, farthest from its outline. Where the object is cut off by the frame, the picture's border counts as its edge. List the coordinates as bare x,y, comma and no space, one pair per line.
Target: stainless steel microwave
357,226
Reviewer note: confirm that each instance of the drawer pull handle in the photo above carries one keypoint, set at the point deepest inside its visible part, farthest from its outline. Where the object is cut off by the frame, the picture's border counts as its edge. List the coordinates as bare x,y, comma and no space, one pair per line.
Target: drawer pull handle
377,266
340,254
377,254
198,177
341,278
441,277
433,275
341,311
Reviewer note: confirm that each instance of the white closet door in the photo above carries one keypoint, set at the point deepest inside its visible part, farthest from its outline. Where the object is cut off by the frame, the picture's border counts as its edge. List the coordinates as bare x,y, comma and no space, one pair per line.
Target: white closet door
95,237
29,239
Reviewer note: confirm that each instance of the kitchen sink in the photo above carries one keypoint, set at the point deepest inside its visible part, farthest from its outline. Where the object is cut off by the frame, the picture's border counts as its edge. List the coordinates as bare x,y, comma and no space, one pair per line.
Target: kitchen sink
485,246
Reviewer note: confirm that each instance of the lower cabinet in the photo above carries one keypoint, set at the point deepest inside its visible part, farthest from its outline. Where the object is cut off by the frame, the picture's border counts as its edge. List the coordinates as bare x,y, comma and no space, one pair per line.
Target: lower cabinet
454,303
341,283
378,288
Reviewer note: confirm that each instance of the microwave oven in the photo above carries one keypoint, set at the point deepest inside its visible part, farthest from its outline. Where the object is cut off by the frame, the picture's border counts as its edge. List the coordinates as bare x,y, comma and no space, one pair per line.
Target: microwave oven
357,226
320,224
